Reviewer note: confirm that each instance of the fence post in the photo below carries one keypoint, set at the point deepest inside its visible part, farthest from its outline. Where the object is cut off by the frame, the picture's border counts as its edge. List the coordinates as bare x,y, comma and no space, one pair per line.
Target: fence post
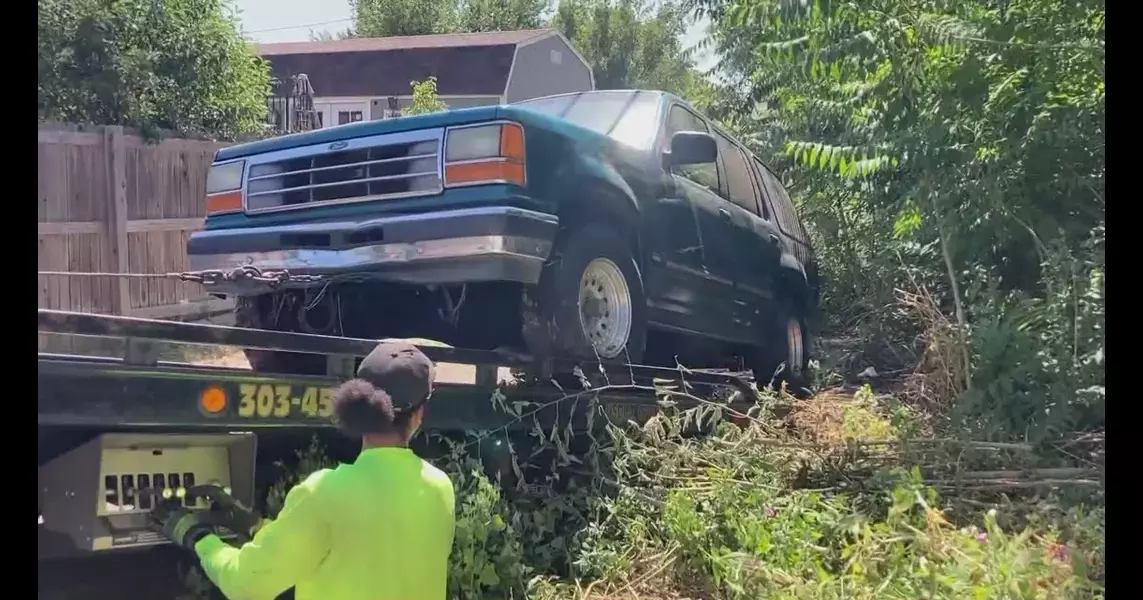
115,153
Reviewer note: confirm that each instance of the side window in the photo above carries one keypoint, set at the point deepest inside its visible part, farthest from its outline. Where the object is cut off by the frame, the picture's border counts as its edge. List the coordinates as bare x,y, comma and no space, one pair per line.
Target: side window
737,185
681,119
783,207
764,201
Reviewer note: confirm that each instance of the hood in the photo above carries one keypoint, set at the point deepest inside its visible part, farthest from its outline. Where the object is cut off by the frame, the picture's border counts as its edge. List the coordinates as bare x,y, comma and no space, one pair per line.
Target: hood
360,129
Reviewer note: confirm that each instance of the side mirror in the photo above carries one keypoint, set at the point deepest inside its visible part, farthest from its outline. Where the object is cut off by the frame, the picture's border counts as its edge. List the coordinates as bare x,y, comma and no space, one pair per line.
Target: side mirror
691,148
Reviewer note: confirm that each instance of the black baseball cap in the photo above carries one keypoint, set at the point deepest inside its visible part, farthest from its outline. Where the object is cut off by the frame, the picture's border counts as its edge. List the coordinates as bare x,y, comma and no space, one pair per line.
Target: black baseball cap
402,371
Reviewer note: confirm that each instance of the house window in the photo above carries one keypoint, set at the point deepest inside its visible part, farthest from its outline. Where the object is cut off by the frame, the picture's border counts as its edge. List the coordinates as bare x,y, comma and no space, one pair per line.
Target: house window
348,116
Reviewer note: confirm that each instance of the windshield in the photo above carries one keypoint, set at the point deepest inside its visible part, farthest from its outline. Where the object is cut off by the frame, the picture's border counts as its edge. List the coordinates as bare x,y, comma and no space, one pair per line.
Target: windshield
626,116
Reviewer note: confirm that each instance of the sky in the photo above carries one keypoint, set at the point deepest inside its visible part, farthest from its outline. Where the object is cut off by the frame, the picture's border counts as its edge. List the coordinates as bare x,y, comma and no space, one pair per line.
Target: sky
292,20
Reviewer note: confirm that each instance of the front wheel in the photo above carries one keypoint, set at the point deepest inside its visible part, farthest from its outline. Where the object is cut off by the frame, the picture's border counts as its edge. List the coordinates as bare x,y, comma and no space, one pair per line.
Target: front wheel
589,303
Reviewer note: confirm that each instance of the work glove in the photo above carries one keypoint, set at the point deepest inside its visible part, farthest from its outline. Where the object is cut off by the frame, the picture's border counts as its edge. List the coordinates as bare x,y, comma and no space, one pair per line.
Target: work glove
228,512
182,526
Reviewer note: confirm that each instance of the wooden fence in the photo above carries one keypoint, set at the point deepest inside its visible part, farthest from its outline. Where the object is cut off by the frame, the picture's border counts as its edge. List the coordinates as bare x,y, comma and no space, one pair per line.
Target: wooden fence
111,202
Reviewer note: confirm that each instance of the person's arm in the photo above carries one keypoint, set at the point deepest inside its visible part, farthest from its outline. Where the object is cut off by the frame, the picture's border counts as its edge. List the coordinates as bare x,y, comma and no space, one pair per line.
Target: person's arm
283,552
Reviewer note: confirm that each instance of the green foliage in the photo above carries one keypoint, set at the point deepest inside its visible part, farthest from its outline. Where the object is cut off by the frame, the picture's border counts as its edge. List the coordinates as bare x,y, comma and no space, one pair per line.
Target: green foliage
724,517
380,18
310,459
179,65
630,44
951,148
488,559
425,98
499,15
744,512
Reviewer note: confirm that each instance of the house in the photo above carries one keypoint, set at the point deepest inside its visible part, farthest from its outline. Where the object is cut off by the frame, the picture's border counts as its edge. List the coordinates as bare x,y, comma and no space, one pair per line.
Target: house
367,78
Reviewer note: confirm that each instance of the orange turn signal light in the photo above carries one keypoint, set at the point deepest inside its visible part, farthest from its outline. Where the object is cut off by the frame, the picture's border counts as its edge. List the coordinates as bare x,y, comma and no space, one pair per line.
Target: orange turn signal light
213,400
512,141
485,171
224,202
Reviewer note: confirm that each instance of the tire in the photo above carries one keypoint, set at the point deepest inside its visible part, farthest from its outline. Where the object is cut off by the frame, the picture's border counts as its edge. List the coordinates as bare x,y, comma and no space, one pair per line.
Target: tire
252,312
789,351
592,257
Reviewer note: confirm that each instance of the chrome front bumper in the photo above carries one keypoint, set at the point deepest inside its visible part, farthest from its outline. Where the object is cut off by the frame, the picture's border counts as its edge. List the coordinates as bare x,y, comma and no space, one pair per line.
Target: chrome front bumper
466,246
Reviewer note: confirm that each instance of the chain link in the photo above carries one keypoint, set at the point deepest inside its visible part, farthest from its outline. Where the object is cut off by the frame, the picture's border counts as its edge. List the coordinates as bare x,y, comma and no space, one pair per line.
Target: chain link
208,278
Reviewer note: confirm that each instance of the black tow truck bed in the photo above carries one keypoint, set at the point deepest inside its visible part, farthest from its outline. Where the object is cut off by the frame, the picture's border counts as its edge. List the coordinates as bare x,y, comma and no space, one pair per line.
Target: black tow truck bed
136,391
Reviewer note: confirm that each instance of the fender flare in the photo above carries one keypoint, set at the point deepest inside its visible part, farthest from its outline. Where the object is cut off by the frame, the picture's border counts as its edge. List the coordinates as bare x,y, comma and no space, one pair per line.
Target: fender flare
595,169
792,272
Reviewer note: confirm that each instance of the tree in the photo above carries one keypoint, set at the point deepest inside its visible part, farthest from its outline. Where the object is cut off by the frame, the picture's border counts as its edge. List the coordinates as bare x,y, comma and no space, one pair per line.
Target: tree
425,98
954,145
381,18
629,43
499,15
176,64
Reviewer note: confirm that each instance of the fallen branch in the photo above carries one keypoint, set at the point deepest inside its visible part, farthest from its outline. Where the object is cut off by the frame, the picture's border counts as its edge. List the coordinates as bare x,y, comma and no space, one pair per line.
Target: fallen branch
1060,473
991,484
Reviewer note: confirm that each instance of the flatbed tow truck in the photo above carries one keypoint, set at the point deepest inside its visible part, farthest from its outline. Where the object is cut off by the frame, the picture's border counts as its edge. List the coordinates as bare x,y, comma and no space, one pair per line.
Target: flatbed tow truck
110,426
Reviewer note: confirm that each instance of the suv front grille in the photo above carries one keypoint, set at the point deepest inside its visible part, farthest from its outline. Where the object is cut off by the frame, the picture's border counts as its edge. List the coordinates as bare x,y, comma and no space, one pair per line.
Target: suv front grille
372,172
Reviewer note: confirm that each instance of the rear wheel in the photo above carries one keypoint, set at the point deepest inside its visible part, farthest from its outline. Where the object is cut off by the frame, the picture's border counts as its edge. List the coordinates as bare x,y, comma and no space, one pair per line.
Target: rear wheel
786,359
589,303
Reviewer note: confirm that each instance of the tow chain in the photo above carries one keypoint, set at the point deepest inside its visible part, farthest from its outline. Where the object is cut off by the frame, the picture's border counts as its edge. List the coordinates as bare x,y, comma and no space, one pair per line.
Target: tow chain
208,278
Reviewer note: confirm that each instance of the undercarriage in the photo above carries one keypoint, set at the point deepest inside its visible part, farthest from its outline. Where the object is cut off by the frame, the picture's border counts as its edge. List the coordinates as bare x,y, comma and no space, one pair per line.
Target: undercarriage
481,316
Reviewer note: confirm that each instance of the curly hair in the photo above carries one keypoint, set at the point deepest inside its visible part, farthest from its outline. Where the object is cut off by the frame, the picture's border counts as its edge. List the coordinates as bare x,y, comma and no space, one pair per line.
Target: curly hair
361,409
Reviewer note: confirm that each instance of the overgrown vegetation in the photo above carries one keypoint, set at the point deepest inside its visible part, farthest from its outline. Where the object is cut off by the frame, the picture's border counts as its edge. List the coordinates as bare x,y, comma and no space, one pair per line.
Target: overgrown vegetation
948,156
832,500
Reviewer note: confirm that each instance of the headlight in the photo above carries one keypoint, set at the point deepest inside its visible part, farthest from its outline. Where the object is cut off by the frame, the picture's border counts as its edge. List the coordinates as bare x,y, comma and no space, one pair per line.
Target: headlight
224,187
472,143
226,177
485,154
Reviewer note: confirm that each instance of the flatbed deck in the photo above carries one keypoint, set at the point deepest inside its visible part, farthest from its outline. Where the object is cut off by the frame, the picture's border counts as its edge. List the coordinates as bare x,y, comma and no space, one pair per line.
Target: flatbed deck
137,391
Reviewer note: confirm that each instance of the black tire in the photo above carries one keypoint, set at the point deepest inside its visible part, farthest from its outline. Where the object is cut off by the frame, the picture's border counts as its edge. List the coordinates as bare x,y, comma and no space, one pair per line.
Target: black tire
771,363
551,311
253,312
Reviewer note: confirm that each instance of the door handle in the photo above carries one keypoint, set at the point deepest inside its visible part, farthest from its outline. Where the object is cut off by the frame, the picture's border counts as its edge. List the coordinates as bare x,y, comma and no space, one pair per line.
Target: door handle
774,238
725,214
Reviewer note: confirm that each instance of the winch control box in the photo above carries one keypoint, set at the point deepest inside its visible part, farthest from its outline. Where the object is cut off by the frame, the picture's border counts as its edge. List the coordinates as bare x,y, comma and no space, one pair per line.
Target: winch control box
98,496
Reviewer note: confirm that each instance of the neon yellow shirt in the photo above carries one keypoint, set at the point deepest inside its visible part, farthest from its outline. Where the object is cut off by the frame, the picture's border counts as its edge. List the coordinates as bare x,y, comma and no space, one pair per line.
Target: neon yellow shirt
378,529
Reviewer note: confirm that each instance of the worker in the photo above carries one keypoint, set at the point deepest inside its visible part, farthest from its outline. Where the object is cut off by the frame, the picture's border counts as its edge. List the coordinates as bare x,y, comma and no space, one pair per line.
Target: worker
380,528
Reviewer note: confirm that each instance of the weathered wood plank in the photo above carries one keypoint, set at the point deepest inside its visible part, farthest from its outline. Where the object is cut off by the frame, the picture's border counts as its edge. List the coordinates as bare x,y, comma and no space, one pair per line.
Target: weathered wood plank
184,310
70,228
111,201
149,225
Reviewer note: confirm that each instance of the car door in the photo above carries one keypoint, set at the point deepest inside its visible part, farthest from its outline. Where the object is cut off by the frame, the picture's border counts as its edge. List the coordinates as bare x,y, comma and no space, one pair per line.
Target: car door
755,241
700,185
795,240
675,282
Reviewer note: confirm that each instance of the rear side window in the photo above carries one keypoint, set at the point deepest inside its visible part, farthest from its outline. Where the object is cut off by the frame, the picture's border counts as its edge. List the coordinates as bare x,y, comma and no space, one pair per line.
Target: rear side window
681,119
737,185
784,211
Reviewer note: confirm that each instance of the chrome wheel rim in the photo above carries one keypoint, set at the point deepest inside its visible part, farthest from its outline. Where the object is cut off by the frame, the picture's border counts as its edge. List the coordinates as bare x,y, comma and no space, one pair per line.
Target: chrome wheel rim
794,343
605,307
